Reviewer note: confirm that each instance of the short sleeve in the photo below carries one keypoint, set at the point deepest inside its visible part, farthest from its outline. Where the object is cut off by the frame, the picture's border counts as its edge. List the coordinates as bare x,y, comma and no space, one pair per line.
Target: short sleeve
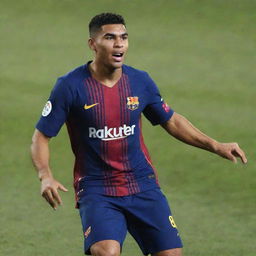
156,110
56,109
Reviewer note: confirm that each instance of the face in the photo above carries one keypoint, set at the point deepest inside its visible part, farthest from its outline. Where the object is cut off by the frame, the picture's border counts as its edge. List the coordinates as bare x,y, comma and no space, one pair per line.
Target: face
110,45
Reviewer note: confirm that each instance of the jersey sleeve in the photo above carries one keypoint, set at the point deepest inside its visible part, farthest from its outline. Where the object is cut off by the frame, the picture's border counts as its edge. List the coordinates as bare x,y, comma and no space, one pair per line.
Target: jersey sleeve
156,110
56,109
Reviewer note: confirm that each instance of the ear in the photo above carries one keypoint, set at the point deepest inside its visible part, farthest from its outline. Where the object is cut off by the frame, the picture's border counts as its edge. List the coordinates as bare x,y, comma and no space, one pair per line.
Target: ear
91,44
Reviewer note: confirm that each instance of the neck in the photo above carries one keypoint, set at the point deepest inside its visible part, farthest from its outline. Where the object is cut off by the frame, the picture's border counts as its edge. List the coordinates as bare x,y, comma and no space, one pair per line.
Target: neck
105,75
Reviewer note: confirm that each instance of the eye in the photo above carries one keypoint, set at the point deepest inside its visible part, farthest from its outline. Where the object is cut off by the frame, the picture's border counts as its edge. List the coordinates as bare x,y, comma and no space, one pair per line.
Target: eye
109,37
125,37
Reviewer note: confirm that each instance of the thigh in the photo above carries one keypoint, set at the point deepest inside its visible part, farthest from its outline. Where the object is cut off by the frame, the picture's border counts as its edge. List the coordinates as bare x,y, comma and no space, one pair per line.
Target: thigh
151,223
101,220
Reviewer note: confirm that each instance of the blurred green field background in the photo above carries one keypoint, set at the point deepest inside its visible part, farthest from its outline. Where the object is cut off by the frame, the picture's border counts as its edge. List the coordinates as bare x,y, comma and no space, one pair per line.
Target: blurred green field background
202,56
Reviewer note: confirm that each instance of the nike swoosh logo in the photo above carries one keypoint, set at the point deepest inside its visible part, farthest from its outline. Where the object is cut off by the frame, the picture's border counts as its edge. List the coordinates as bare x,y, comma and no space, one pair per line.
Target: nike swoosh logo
90,106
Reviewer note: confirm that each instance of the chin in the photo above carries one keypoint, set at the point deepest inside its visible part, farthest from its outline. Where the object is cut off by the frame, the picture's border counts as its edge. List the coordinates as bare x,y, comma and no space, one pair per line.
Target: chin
117,65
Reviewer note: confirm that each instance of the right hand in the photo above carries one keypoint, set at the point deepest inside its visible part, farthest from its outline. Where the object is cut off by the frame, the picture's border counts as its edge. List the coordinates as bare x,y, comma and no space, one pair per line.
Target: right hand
49,190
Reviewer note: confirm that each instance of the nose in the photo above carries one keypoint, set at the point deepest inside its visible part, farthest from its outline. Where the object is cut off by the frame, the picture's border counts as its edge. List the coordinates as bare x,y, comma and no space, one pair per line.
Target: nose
119,43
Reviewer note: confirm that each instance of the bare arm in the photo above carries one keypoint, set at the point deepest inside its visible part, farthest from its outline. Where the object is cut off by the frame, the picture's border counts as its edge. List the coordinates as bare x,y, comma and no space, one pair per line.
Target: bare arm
180,128
40,156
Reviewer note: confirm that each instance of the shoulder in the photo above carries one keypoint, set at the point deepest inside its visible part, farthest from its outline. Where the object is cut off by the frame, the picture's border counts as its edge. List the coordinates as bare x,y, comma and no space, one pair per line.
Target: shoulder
79,73
131,71
140,76
73,79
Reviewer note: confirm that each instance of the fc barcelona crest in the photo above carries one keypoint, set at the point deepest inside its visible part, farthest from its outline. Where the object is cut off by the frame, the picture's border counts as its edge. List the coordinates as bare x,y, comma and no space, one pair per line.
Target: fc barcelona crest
132,102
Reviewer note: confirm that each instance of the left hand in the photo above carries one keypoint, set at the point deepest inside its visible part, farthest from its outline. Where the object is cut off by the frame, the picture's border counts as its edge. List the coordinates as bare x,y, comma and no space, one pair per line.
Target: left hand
231,151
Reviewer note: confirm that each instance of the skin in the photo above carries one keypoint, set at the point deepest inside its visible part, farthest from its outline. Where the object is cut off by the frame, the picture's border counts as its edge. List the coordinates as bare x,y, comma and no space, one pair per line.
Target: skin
40,156
112,248
180,128
107,69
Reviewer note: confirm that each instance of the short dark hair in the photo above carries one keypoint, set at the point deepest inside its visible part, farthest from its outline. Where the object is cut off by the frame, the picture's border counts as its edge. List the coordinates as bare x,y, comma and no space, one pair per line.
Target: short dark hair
104,19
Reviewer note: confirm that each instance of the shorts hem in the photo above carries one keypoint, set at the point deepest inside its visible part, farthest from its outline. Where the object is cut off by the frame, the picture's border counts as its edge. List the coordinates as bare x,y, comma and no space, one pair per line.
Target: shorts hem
162,249
88,247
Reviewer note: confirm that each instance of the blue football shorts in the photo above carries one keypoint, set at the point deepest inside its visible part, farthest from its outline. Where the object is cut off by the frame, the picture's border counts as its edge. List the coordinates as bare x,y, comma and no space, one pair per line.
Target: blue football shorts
146,215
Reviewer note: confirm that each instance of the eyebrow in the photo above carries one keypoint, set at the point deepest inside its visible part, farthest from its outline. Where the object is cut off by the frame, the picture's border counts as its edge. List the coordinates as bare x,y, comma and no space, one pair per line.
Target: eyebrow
111,34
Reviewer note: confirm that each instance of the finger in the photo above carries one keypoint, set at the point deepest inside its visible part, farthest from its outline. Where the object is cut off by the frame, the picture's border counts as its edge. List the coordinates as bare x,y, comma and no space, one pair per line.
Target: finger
240,153
231,158
48,196
56,196
62,188
48,201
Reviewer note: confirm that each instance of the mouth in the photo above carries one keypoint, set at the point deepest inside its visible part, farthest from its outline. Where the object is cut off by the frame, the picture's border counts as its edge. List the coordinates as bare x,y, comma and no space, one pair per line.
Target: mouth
117,56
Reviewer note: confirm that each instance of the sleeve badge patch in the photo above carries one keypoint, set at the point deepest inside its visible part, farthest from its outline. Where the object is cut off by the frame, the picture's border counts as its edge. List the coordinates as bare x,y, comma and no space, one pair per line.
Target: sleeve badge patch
166,107
47,109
